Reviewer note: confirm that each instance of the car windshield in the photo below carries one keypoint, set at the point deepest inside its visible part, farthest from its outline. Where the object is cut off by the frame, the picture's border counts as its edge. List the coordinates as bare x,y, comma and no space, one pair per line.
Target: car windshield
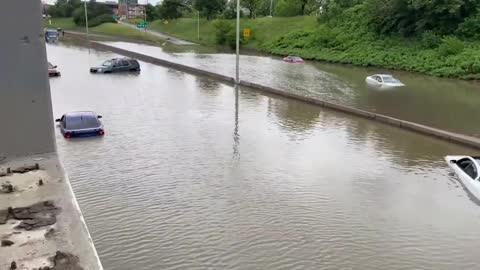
82,122
51,34
390,79
107,63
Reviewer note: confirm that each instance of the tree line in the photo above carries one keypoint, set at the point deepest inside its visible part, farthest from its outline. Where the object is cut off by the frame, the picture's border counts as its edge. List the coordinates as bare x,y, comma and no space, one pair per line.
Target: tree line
226,9
406,17
98,13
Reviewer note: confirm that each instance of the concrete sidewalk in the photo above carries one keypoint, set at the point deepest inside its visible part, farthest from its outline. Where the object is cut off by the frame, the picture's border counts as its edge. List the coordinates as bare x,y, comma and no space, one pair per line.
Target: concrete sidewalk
169,38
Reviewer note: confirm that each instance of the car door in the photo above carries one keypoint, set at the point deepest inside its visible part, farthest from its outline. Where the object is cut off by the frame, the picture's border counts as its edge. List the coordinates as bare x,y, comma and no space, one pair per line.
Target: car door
125,65
116,66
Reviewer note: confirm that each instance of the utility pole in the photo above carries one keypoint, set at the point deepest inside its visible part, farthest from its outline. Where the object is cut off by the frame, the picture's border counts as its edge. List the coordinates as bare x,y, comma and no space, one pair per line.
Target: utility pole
198,25
86,16
237,68
271,5
145,13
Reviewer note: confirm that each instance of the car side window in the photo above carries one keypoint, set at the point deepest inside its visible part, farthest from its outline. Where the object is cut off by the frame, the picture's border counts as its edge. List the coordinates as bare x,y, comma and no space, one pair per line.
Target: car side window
116,63
463,163
378,79
123,63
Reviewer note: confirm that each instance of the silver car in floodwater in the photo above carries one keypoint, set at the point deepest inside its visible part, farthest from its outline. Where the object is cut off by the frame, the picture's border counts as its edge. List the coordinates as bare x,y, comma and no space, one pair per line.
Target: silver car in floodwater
117,65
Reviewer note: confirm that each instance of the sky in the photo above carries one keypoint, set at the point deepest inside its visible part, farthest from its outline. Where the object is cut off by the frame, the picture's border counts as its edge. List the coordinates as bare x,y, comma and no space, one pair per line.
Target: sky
153,2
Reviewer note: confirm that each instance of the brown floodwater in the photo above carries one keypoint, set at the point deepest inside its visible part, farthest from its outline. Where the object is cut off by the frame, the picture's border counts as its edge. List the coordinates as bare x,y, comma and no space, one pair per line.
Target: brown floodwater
194,174
443,103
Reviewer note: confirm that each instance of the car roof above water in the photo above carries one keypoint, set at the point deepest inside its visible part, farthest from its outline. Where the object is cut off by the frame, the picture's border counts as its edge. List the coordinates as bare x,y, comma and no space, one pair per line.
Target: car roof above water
80,114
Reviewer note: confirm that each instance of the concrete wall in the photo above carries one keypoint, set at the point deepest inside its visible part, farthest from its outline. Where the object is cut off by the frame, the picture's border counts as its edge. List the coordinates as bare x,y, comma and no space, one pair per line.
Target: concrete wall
26,123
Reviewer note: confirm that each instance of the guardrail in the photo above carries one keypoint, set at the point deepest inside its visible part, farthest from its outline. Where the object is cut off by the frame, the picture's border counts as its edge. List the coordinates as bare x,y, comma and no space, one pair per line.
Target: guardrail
415,127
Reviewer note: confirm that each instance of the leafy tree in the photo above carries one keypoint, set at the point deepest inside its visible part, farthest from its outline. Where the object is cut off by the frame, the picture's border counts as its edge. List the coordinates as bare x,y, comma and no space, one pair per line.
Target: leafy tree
251,5
230,11
97,14
170,9
410,17
288,8
64,8
151,12
210,8
264,7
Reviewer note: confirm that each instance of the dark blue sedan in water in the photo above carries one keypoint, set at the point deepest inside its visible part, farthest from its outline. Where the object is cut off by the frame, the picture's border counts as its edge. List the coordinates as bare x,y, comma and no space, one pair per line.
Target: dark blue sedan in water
80,124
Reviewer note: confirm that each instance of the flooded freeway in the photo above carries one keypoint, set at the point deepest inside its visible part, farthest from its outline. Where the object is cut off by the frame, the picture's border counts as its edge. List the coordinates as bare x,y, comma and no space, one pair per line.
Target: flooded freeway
443,103
193,174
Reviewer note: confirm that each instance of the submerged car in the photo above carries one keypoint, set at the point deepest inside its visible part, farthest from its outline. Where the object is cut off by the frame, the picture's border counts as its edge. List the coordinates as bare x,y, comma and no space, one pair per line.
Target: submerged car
51,35
117,65
383,80
293,59
467,169
52,70
80,124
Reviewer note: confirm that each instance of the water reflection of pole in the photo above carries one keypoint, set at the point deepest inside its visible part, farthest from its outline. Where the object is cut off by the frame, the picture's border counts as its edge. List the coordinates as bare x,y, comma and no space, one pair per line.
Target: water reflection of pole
236,135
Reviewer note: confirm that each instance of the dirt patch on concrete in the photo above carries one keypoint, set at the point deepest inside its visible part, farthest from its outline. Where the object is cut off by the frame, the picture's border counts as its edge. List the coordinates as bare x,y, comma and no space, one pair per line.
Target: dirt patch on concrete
34,216
63,261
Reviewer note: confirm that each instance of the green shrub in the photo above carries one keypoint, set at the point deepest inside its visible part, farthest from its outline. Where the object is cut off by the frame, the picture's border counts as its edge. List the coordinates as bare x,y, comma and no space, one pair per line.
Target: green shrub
325,37
222,29
105,18
225,33
450,45
430,40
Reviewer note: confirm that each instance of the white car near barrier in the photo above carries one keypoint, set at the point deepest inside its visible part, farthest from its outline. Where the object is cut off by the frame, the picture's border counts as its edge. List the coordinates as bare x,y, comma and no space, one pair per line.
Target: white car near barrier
467,169
383,81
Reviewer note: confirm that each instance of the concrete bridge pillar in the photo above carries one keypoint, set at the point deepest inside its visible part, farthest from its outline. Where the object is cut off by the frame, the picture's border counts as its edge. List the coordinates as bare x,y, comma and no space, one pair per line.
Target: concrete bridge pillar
26,120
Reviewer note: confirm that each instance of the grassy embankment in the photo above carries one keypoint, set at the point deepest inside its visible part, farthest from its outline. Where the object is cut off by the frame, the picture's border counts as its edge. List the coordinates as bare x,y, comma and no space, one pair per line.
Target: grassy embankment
348,44
108,29
263,29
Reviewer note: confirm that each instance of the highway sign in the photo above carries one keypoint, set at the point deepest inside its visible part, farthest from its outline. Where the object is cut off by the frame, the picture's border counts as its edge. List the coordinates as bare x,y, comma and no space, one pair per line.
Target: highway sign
142,25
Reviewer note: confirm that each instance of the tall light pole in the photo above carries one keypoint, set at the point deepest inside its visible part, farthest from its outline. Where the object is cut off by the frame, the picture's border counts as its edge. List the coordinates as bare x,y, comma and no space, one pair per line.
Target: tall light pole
237,64
86,16
198,19
198,25
145,13
271,5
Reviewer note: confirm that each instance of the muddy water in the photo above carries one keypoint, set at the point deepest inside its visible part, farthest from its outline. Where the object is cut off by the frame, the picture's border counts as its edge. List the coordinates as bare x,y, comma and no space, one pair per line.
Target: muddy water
443,103
194,175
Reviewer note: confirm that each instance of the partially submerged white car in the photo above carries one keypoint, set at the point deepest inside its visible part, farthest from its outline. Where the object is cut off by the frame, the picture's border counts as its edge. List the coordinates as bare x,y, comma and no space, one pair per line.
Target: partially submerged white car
383,81
467,169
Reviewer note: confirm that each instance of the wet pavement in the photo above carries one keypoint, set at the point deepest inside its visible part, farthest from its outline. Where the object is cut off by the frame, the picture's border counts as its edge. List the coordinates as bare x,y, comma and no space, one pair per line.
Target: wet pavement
193,174
442,103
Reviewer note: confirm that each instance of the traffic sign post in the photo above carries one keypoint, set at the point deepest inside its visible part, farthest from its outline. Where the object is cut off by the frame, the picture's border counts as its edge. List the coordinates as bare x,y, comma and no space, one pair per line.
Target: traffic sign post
246,32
